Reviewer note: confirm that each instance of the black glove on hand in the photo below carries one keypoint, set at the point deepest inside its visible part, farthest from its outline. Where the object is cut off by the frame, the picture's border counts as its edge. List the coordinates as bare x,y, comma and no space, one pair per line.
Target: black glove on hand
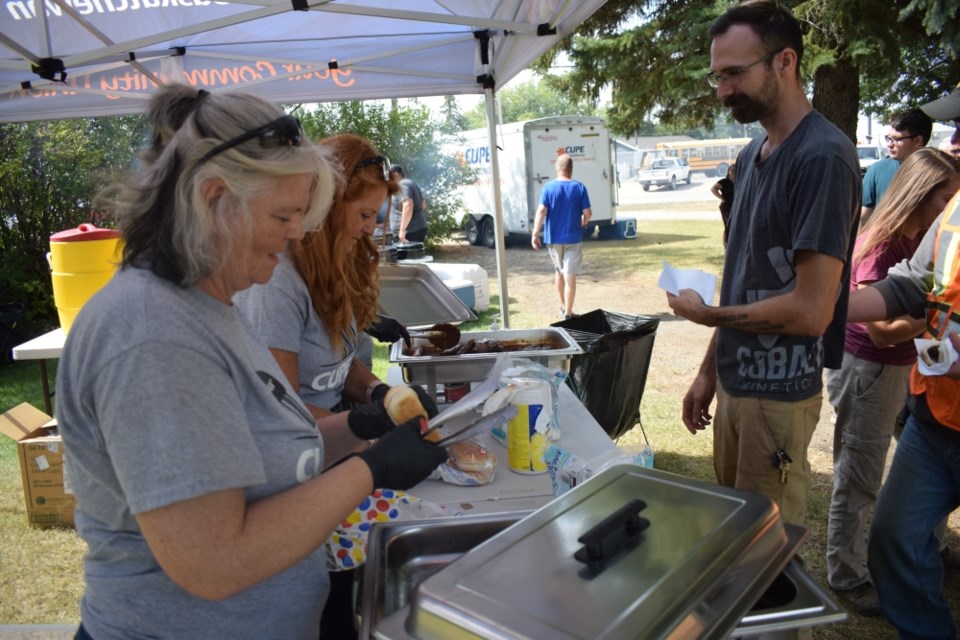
427,402
386,329
370,420
402,459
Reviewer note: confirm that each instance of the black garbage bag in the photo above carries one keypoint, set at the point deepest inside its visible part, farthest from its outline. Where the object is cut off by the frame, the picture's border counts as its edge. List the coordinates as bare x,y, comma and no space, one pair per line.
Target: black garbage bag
610,375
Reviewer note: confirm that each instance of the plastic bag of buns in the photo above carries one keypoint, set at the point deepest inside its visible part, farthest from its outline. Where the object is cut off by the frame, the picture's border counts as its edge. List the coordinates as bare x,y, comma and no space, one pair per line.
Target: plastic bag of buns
470,464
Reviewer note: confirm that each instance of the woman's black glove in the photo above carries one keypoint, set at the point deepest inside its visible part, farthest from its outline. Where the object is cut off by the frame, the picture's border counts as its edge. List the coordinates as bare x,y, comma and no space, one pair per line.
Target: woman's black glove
429,405
427,402
401,458
369,420
386,329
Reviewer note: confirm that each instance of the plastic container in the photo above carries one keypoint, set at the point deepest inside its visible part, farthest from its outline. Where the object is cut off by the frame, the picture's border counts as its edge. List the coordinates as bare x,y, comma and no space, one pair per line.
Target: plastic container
621,230
463,289
473,272
82,260
454,391
527,432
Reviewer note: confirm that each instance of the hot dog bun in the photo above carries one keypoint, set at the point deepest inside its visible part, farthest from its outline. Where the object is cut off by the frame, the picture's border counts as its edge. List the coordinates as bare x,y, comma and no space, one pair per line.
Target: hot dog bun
473,459
403,404
931,355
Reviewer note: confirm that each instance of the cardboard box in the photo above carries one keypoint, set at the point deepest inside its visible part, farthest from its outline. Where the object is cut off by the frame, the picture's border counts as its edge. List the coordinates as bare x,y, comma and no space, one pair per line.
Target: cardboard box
47,496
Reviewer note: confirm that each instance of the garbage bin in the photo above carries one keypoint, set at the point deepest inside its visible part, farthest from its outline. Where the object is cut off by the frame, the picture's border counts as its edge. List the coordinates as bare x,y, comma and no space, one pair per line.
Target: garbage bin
610,375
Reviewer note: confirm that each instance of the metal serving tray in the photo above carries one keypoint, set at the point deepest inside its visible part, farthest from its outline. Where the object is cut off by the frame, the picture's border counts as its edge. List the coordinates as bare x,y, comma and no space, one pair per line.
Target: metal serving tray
403,554
415,296
473,367
400,555
707,556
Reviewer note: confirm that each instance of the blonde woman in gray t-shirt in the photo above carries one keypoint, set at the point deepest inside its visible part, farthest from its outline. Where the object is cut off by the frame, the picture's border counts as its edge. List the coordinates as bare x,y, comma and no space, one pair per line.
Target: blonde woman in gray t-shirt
202,485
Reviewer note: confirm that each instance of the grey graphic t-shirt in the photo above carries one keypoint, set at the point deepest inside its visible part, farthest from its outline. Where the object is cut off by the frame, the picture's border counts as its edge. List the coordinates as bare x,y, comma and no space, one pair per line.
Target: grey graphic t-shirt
804,197
282,313
163,395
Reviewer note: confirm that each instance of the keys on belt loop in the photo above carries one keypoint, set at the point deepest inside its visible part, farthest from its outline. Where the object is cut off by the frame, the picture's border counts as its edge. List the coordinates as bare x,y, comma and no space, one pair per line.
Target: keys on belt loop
782,461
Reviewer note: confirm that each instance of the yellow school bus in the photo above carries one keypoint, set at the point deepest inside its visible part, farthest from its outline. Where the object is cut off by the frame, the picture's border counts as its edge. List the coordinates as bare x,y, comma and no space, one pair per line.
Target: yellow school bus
712,157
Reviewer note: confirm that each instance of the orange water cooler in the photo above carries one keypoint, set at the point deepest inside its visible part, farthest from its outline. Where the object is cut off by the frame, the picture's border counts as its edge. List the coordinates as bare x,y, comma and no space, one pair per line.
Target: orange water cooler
82,260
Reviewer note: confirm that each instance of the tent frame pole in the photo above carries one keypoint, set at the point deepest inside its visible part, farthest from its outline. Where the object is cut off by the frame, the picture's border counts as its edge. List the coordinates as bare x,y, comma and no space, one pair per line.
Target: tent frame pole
500,245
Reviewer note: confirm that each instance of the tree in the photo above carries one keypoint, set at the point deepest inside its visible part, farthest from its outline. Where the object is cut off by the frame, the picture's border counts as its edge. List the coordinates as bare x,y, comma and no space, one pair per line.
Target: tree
859,55
530,100
453,118
49,172
409,137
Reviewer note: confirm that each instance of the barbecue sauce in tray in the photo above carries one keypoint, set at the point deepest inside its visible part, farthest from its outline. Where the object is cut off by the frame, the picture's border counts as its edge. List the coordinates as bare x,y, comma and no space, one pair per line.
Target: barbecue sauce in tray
484,346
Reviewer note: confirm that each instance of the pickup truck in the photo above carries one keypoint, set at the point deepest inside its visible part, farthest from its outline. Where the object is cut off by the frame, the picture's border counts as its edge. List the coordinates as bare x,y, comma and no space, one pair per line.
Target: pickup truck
665,171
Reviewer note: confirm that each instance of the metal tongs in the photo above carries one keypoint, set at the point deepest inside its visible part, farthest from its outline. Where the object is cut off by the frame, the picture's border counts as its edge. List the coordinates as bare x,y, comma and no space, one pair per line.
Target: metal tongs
475,424
464,418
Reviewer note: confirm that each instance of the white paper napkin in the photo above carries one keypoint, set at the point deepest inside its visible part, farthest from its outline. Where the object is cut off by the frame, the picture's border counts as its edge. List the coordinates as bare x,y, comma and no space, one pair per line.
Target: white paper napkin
673,280
934,357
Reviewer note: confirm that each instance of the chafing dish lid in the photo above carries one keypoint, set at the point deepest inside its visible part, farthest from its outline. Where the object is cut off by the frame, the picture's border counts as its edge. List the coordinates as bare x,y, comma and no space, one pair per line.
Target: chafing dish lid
415,296
707,555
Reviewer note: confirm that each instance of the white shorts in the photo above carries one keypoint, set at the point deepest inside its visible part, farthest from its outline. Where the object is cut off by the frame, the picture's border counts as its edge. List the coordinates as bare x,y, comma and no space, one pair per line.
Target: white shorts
567,258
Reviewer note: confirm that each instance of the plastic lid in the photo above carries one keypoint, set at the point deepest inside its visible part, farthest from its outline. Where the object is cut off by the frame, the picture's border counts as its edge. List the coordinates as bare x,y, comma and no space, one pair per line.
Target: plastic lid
84,232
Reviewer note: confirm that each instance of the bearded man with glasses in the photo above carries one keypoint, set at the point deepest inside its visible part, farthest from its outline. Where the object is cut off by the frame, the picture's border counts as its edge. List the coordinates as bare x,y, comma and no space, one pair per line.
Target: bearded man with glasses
908,132
783,297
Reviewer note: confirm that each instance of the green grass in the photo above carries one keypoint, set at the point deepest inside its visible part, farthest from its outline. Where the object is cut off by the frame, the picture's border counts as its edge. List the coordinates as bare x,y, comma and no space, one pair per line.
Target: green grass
668,206
40,569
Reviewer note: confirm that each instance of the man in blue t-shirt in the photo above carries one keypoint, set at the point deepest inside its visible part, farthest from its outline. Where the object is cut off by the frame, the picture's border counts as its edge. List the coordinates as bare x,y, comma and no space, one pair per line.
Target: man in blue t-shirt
565,208
908,132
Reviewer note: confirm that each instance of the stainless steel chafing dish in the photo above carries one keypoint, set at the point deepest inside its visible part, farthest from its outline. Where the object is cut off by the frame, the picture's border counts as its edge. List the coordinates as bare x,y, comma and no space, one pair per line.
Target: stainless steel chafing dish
473,367
712,563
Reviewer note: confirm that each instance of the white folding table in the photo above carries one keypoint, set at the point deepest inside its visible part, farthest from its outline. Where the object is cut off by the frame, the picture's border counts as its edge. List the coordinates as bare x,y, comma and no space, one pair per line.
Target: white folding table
49,346
580,434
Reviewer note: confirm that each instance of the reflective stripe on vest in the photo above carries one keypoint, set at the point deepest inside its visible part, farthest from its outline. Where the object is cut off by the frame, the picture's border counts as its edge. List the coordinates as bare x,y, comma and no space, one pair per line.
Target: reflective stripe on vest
943,304
942,307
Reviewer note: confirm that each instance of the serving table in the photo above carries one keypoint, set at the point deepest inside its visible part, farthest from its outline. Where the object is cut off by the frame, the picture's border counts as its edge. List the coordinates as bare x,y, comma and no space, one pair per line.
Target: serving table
580,434
49,346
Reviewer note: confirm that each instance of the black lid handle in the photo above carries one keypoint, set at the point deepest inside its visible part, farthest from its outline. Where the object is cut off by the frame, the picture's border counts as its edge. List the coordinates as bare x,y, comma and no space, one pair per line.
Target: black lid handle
615,533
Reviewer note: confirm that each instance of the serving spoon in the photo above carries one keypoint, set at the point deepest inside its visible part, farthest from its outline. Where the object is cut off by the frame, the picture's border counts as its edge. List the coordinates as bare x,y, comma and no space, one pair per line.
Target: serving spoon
441,335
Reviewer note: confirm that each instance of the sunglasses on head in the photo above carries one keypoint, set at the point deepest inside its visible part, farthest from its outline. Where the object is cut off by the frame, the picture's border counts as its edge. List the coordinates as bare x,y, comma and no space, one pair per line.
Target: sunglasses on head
383,161
285,131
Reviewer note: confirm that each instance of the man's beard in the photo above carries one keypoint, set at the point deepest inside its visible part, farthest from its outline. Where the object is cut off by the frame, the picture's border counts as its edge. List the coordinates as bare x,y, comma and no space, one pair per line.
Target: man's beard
745,109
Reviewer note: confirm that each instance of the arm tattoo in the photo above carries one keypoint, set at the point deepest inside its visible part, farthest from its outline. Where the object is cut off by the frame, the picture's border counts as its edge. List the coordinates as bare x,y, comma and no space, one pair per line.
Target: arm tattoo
742,321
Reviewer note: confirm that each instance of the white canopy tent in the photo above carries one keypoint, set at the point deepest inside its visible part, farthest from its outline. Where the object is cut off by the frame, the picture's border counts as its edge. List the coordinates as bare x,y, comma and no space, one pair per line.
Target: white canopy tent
79,58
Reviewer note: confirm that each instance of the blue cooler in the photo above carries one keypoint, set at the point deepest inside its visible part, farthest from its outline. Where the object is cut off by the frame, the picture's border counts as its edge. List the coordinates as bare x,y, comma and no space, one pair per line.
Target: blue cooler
621,230
463,289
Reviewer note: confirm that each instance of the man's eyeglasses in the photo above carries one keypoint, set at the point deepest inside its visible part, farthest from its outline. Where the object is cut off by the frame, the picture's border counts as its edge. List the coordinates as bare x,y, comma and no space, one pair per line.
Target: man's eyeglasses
285,131
897,139
731,77
383,161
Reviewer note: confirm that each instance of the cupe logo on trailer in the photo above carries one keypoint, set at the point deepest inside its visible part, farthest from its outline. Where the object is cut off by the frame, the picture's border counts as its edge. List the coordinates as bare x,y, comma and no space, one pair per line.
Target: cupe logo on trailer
476,155
574,151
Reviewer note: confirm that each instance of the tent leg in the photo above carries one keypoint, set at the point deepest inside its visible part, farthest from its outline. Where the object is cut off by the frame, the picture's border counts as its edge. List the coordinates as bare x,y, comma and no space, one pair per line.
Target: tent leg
498,208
